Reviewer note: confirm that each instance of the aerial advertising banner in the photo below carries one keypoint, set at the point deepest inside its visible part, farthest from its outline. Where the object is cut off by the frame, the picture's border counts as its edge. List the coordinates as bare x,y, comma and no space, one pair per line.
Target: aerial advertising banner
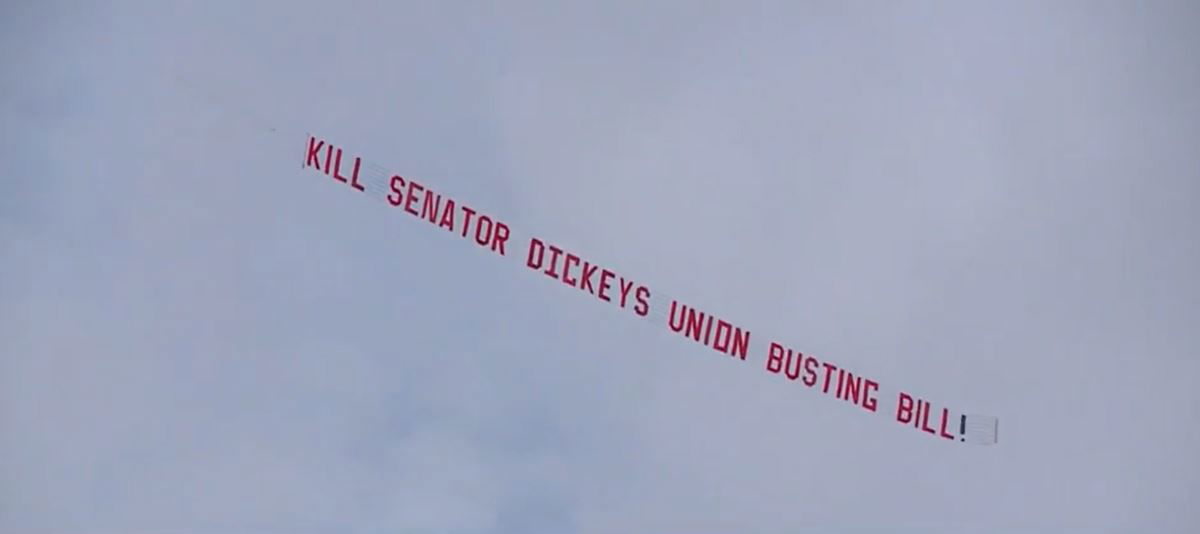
412,197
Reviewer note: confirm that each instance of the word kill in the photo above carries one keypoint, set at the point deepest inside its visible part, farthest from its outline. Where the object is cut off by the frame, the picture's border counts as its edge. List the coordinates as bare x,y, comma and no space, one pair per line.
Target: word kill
333,165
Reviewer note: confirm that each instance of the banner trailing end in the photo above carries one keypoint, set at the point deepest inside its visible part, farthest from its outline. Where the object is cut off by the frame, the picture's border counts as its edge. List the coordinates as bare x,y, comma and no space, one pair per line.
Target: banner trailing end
980,429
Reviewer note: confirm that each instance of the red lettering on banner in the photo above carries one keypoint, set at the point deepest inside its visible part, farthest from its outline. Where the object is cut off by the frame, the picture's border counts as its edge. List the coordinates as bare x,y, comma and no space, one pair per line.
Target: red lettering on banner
413,186
605,283
625,290
915,412
775,358
440,210
869,402
795,361
588,271
724,333
535,244
695,320
790,361
853,385
501,237
904,408
431,206
810,372
566,276
311,159
337,167
396,191
798,360
677,328
483,236
741,343
354,177
552,270
314,148
467,214
693,323
701,327
925,418
798,366
643,306
536,260
447,221
945,419
829,368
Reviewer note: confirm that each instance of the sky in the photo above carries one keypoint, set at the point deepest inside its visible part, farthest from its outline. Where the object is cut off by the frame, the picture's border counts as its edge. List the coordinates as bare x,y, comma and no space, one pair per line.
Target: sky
993,205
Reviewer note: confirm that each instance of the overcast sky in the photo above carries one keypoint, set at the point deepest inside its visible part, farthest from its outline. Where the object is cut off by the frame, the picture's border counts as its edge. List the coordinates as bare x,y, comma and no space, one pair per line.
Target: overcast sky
992,206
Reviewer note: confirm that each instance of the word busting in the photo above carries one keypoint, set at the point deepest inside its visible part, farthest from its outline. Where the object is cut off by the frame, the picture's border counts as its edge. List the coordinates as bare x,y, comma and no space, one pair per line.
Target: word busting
614,288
